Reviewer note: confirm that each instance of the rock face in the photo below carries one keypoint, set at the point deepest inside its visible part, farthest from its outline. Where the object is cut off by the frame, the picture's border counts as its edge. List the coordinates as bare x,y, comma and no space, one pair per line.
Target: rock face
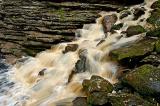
31,26
145,80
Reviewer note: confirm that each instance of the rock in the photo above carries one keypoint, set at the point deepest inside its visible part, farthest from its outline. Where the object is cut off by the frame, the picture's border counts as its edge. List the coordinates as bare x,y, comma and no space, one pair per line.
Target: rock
81,65
153,59
117,26
135,30
108,21
42,72
70,48
157,46
145,80
97,98
124,14
124,99
154,19
80,101
154,33
138,12
97,84
131,55
155,5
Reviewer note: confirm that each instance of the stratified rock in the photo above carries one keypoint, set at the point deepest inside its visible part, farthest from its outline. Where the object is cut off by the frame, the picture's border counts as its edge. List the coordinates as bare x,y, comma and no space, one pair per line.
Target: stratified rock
80,101
124,14
123,99
70,48
135,30
108,21
132,54
138,12
97,84
145,80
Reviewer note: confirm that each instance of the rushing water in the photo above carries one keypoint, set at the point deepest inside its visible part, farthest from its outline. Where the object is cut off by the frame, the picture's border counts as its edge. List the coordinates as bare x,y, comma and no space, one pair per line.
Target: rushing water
48,78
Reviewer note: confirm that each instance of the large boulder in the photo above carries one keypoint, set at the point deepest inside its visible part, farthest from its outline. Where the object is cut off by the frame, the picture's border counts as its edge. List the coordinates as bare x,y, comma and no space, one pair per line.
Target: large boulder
145,80
135,30
131,55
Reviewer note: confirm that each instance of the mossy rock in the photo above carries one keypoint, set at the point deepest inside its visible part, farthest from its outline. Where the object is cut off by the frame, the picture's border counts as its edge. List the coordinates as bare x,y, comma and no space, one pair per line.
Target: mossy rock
157,46
117,27
124,99
156,5
154,33
135,50
153,59
145,80
97,84
154,19
135,30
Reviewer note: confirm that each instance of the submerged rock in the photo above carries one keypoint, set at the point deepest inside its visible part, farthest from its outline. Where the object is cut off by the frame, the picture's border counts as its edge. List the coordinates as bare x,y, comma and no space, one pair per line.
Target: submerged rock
138,12
70,48
108,21
135,30
145,80
124,14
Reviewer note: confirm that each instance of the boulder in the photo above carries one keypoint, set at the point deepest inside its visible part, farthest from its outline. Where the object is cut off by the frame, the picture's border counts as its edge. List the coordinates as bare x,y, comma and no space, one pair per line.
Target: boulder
117,26
138,12
131,55
124,14
154,19
108,21
97,84
134,30
145,80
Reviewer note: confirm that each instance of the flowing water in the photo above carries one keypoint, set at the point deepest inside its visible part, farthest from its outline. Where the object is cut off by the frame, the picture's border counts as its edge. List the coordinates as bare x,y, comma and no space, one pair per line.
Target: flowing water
51,79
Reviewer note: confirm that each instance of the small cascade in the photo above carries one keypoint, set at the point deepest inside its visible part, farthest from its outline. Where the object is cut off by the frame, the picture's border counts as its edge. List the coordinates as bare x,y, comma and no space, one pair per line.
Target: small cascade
54,76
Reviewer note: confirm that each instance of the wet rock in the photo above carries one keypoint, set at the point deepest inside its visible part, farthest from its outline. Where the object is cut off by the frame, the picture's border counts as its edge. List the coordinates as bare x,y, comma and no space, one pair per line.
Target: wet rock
117,26
70,48
124,99
154,33
145,80
138,12
131,55
156,5
135,30
154,19
41,73
80,101
108,21
97,84
157,46
98,98
81,65
153,59
124,14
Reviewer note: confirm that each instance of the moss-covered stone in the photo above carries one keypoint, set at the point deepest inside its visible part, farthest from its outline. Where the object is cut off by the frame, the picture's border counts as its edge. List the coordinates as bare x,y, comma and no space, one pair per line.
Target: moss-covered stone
154,33
156,5
154,19
123,99
97,84
117,26
145,80
135,30
157,46
137,49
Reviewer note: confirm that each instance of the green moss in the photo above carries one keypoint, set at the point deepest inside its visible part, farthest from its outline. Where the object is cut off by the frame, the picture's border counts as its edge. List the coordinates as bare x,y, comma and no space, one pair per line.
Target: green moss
154,19
138,49
157,46
143,80
154,33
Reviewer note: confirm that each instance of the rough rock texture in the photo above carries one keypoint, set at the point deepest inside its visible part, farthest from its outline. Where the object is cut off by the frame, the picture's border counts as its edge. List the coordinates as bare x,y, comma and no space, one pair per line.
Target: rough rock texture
145,80
30,26
132,54
134,30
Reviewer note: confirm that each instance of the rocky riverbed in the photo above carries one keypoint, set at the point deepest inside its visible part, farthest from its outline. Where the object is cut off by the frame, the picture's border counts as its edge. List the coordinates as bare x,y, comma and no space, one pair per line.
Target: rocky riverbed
28,27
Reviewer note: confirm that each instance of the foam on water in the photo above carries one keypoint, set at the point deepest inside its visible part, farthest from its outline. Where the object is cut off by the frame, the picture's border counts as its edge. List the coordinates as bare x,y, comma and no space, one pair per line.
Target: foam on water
54,87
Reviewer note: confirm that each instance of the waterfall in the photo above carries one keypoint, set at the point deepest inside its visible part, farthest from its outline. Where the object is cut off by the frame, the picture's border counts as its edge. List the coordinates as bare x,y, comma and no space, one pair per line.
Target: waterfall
54,76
